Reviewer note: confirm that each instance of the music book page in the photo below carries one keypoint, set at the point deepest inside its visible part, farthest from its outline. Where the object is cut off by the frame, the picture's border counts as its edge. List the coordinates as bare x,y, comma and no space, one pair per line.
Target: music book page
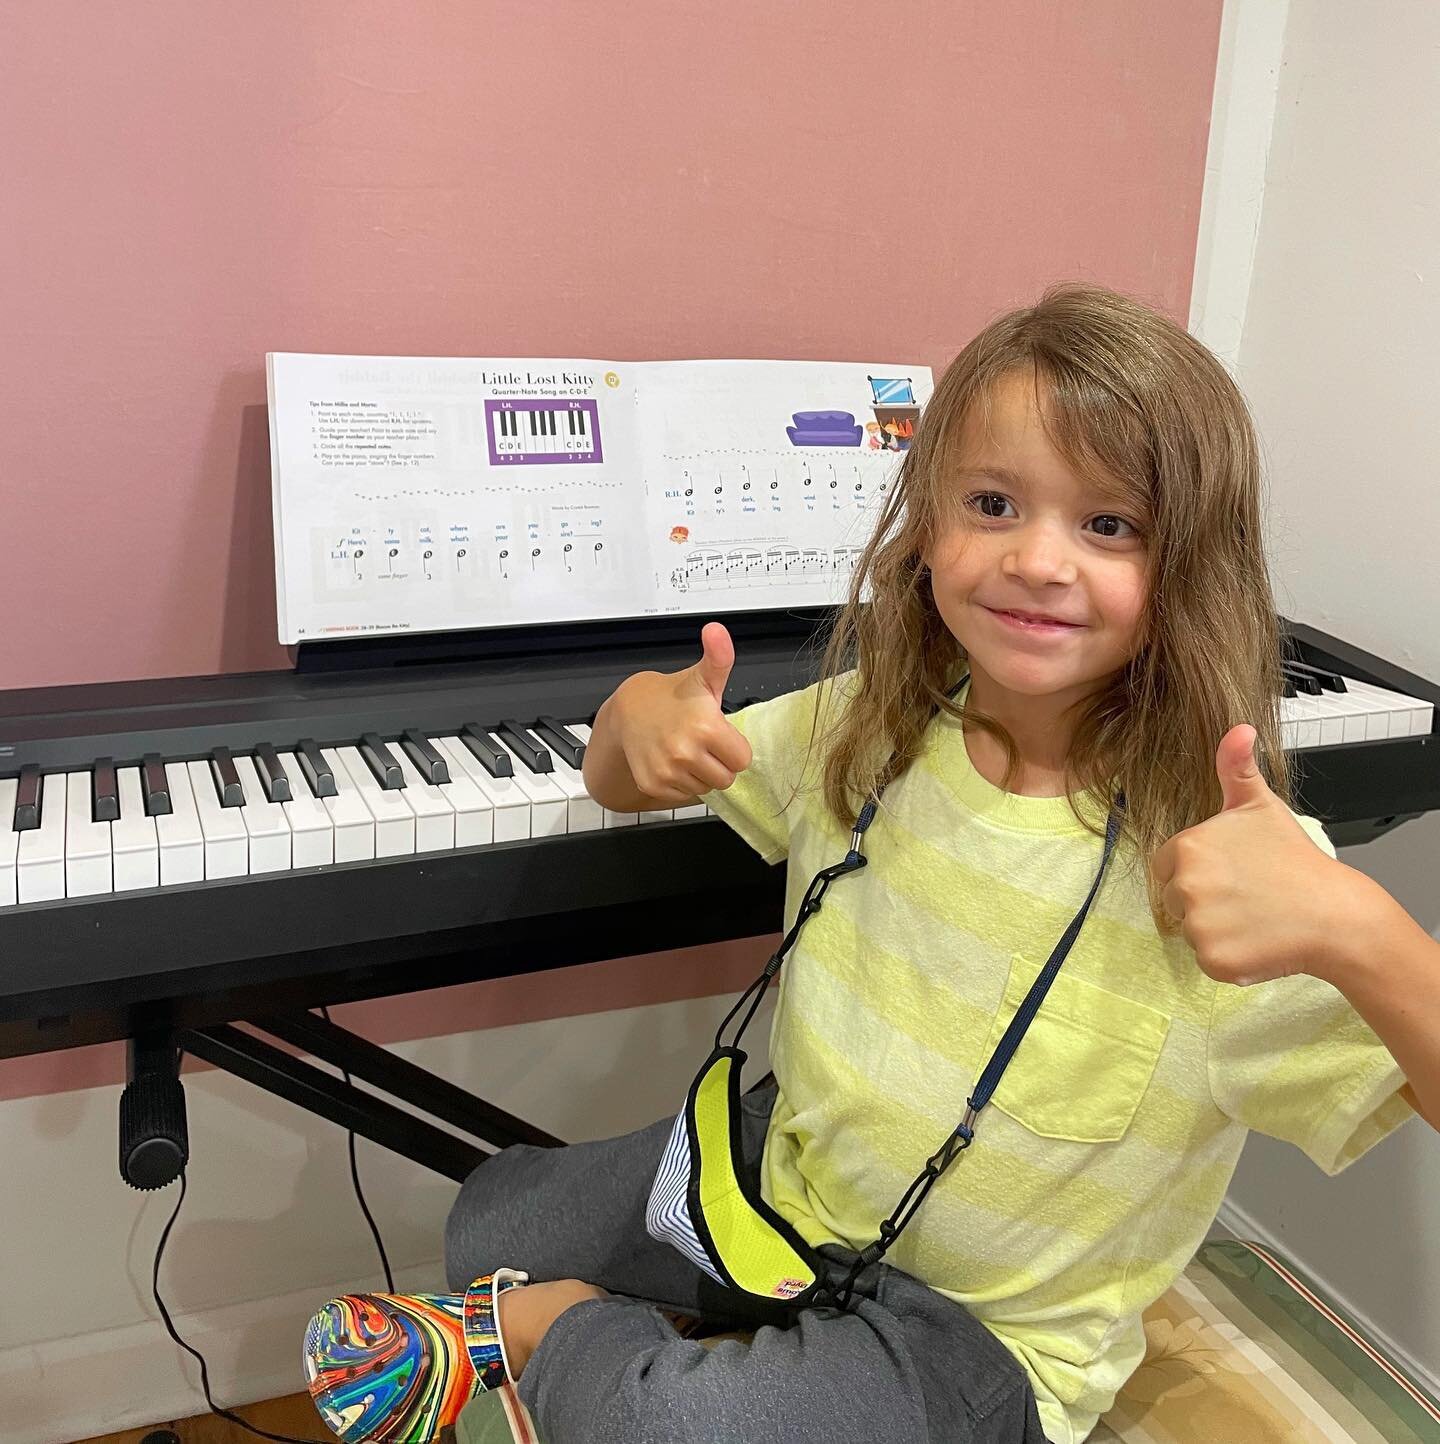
433,493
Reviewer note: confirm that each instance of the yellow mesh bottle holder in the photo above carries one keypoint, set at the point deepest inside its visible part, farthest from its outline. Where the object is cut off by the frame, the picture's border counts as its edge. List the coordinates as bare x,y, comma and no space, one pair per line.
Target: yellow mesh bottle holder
701,1205
748,1246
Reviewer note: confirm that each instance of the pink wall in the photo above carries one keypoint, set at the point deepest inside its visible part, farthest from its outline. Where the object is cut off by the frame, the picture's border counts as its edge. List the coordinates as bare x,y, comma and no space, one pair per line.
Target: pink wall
187,184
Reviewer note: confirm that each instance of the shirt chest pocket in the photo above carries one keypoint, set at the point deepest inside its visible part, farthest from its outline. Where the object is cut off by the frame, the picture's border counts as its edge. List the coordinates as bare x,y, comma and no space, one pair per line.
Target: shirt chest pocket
1084,1062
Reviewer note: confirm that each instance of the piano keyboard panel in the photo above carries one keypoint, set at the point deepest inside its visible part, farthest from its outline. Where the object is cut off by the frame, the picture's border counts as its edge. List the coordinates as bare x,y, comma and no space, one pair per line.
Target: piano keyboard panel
252,810
534,430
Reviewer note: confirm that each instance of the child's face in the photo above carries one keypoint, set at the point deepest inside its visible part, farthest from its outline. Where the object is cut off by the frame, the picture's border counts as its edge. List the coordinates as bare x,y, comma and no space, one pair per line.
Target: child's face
1022,530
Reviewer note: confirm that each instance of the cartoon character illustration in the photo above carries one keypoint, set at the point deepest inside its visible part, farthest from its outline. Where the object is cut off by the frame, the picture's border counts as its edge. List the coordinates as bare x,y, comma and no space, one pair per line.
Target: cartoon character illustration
679,535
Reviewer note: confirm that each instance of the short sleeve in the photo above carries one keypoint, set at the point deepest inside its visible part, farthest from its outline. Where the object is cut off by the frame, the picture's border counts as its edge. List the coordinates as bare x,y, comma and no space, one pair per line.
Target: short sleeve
760,804
1291,1058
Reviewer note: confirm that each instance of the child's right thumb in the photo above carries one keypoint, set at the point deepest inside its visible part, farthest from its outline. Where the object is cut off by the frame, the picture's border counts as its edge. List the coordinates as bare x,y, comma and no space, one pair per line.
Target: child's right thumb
716,659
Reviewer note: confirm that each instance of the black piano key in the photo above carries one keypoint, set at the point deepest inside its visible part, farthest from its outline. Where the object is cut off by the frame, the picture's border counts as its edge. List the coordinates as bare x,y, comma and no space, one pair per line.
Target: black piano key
381,761
495,760
428,762
154,786
515,737
1330,681
564,741
570,422
532,424
272,775
226,778
318,776
104,791
27,800
1303,683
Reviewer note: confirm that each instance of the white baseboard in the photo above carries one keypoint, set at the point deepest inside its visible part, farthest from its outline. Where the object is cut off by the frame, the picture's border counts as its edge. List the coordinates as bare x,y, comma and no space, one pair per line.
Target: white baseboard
1245,1226
135,1376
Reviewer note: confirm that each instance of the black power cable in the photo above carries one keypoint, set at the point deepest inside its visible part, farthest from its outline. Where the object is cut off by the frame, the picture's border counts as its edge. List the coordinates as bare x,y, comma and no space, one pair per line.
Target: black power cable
195,1353
215,1408
360,1192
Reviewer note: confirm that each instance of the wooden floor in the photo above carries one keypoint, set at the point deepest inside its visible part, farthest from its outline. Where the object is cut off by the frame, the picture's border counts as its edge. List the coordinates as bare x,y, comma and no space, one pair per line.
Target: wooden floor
294,1415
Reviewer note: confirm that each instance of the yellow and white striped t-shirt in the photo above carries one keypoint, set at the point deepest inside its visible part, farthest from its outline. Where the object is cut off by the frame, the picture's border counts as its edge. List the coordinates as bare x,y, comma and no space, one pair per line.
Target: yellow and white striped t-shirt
1100,1164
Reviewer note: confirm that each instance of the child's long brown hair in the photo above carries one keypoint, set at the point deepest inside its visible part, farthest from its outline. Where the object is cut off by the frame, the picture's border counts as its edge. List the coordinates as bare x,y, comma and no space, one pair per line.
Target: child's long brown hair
1126,393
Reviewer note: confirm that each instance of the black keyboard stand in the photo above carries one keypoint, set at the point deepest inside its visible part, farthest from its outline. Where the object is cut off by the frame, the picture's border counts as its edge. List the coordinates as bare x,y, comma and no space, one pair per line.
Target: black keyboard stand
153,1139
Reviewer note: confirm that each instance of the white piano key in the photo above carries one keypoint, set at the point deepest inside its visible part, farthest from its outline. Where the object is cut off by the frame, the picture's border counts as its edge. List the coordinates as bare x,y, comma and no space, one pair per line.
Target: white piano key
1304,725
1409,716
474,812
353,822
610,819
696,809
394,821
1422,717
227,841
1343,708
582,812
1382,717
312,833
40,860
9,840
1342,718
434,817
548,811
134,845
264,821
1289,729
182,844
87,842
511,806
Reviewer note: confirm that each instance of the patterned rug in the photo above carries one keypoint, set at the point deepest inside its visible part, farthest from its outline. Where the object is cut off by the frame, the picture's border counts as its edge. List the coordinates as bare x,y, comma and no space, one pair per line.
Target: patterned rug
1242,1350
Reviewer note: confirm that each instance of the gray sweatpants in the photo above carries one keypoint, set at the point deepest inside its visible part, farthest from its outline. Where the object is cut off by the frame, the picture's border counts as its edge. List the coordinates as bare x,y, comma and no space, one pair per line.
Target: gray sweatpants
904,1365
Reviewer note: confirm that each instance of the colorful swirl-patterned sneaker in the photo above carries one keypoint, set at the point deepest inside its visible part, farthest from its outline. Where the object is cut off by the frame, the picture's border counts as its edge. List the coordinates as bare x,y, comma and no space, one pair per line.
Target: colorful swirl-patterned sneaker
397,1368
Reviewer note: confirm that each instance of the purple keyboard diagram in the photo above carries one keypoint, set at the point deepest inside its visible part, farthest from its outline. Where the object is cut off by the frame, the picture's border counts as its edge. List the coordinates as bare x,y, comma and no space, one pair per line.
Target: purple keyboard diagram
542,432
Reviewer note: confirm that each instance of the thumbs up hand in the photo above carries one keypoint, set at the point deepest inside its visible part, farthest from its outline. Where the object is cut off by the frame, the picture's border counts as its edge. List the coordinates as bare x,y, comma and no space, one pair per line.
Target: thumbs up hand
676,741
1255,897
717,657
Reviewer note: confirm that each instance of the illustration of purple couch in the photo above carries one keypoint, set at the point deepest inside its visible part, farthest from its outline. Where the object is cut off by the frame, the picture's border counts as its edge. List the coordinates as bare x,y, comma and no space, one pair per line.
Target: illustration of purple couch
824,428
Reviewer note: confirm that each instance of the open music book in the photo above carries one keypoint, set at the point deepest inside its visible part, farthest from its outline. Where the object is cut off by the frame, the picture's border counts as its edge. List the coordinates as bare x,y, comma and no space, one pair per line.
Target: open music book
432,493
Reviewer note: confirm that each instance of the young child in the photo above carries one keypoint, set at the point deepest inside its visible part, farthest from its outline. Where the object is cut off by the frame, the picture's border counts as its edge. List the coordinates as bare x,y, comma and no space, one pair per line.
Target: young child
1067,618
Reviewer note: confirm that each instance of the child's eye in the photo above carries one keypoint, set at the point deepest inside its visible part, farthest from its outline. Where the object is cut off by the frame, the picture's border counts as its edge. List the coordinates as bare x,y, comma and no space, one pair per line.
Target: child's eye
991,505
1119,521
979,499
